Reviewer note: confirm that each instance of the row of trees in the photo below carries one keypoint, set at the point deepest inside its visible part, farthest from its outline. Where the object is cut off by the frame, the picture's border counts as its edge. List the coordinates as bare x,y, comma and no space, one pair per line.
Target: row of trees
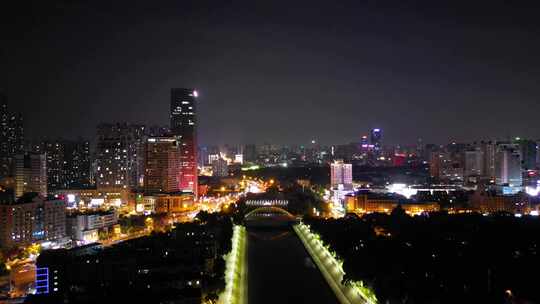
438,258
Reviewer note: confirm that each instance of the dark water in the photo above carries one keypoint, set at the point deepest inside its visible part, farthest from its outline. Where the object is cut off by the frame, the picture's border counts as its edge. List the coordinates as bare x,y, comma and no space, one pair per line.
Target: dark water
281,271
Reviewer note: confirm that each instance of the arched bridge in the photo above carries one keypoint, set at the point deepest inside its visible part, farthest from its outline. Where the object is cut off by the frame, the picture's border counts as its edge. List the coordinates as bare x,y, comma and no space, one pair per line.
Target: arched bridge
269,216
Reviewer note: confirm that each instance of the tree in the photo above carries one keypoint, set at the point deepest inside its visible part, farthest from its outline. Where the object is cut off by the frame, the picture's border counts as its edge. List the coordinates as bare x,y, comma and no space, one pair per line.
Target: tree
211,298
3,269
203,216
398,212
103,235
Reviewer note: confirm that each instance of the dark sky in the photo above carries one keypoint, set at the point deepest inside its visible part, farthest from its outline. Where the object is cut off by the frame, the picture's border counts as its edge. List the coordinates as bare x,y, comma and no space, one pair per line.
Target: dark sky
277,71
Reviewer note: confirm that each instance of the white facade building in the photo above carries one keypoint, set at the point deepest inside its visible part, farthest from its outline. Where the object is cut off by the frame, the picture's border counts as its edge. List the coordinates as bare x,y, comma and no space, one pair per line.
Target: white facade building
508,167
85,227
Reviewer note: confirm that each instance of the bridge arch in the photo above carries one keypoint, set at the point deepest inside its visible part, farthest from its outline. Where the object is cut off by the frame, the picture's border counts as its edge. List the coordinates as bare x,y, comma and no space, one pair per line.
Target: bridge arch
268,210
269,215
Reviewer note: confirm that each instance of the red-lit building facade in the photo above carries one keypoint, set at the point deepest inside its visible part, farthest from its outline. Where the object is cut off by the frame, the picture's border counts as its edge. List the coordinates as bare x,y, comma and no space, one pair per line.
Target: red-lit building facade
183,127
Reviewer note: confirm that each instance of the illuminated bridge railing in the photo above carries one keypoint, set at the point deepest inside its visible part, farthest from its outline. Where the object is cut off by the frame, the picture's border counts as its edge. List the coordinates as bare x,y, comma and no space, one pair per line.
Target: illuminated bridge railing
263,203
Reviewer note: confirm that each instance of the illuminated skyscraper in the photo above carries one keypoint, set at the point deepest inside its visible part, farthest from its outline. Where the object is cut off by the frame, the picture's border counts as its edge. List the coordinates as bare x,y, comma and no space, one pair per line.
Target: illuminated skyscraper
220,168
162,165
341,175
118,157
30,174
11,137
250,153
528,152
202,156
77,164
489,150
183,126
474,162
376,140
68,163
508,165
364,141
435,163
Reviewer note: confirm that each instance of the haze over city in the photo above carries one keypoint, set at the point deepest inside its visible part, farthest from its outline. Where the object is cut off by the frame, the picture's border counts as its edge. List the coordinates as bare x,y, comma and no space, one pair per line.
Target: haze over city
438,71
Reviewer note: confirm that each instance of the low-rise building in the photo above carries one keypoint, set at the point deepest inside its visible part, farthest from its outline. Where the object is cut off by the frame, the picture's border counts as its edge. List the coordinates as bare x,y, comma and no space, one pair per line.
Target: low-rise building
175,203
368,202
92,197
145,204
490,202
85,227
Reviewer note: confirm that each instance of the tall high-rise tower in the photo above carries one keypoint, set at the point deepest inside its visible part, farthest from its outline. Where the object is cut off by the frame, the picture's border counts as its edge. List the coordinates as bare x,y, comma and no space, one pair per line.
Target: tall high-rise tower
11,137
376,140
341,175
162,165
183,127
508,165
30,174
118,157
68,163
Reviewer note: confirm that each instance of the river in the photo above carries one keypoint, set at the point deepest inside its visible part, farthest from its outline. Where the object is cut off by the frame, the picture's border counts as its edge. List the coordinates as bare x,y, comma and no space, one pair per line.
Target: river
281,271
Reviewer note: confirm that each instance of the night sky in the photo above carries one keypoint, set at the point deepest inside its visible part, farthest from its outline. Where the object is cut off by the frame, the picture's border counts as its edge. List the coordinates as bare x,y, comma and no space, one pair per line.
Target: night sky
277,71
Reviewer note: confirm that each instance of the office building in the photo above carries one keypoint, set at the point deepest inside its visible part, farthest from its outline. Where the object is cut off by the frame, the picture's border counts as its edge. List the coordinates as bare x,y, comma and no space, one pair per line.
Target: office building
488,202
213,157
427,150
537,152
158,131
183,126
399,159
489,150
362,203
220,167
202,156
77,160
68,163
162,165
85,227
11,137
341,175
435,163
30,174
31,219
364,141
239,159
508,166
250,153
346,152
528,153
174,203
376,140
54,155
474,162
118,160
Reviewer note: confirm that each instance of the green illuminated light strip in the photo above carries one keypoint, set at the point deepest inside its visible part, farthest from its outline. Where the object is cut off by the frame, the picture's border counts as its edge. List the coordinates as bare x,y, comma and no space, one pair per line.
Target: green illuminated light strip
236,269
332,269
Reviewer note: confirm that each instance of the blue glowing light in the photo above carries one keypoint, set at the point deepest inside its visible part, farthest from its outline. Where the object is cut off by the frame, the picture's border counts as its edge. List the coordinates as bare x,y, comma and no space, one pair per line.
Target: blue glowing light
42,280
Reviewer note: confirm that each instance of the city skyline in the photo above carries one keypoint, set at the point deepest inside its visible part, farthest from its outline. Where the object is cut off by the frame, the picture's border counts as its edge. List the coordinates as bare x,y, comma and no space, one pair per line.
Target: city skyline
436,72
269,152
159,129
